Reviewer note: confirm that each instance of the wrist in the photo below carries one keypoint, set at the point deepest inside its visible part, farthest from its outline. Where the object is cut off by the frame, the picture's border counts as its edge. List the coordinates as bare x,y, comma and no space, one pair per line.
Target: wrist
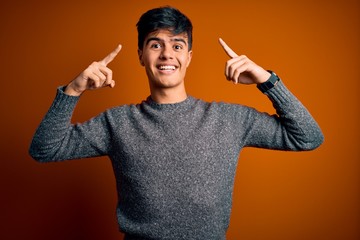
265,75
269,83
72,91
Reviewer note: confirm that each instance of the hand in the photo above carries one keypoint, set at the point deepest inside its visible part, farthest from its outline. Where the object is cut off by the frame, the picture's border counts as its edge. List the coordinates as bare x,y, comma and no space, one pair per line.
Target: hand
97,75
240,69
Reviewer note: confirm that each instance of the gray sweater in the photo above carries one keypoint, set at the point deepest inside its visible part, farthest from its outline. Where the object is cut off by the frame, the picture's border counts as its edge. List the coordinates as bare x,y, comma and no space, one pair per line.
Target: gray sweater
174,163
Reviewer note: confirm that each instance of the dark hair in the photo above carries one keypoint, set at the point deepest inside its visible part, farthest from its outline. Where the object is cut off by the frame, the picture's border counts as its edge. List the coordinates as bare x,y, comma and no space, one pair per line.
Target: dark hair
163,18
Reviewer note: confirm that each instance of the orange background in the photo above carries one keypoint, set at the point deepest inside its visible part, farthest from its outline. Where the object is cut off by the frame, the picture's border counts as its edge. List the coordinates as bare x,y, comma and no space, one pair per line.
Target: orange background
313,45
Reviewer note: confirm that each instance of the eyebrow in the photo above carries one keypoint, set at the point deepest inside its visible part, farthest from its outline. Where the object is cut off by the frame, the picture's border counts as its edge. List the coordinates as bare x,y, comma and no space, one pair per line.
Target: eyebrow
161,40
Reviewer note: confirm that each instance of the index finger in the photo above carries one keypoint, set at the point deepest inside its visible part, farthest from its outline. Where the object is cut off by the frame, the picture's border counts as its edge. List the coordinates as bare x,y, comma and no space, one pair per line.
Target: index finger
227,49
111,56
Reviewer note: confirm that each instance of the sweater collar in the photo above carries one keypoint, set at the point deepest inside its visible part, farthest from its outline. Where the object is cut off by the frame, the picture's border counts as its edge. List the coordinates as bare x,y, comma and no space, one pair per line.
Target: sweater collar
163,106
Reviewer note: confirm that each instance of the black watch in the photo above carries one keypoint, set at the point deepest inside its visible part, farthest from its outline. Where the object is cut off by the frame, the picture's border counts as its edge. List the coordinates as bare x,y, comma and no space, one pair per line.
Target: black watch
270,83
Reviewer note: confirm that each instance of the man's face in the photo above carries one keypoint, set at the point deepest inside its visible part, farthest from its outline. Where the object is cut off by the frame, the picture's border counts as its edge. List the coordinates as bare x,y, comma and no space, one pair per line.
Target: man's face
166,58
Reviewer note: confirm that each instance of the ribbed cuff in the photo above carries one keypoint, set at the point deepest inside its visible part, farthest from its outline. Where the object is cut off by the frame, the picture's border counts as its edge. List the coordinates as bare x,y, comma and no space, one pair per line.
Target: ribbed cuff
280,94
63,103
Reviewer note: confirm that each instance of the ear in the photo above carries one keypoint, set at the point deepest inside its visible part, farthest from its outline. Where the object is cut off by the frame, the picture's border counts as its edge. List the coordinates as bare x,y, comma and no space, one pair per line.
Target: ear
189,58
140,54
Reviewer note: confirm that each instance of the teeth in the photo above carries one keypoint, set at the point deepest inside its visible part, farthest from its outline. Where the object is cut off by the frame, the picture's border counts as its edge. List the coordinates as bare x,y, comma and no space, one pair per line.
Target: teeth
167,67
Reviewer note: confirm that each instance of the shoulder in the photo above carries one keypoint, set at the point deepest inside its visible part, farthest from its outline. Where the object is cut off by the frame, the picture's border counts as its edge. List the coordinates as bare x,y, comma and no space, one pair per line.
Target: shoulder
123,109
224,110
224,106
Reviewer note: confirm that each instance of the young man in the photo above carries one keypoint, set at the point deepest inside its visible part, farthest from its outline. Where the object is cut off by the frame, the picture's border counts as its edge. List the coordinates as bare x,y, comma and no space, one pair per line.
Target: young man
174,156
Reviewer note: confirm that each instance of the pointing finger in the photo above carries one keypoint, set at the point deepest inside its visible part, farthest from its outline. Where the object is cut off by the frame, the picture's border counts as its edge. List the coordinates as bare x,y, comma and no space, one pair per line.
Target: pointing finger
111,56
227,49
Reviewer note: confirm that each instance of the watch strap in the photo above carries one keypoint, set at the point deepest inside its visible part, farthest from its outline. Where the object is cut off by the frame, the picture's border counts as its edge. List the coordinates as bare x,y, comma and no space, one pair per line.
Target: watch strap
270,83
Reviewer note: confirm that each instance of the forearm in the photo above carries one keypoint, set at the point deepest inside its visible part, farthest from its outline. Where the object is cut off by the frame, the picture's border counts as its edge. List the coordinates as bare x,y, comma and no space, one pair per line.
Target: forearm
293,128
57,139
53,128
296,118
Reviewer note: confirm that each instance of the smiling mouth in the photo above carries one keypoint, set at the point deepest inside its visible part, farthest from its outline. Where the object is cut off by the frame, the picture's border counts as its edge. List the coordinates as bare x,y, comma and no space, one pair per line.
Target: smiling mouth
166,67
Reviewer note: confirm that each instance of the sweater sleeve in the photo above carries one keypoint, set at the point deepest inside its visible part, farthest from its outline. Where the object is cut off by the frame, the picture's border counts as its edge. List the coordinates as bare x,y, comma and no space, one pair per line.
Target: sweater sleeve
292,128
57,139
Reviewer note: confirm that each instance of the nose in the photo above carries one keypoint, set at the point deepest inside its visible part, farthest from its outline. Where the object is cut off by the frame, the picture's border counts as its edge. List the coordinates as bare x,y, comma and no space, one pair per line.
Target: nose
166,52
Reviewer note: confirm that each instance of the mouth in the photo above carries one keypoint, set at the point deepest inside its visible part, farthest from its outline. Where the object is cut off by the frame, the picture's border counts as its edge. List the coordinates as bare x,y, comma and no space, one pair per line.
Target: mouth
168,68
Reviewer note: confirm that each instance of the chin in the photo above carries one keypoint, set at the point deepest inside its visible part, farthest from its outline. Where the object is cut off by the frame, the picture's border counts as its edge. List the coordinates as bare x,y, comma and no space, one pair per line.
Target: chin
166,83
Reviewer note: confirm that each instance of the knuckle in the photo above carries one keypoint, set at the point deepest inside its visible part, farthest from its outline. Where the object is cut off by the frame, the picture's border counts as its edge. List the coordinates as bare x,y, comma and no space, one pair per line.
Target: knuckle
93,64
87,73
96,79
232,68
109,71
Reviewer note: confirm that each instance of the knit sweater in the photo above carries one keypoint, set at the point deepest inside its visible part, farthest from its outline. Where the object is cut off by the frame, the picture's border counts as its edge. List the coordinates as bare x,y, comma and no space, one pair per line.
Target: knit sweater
174,163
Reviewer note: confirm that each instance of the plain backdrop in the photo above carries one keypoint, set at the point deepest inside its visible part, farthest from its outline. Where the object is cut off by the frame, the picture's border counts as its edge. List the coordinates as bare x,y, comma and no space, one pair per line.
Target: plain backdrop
314,47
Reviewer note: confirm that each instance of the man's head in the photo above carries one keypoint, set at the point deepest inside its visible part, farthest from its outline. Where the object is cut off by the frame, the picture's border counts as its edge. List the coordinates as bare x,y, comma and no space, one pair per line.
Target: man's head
164,47
164,18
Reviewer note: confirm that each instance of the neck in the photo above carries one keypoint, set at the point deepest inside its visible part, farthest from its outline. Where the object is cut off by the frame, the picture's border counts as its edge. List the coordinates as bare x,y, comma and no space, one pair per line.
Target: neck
168,95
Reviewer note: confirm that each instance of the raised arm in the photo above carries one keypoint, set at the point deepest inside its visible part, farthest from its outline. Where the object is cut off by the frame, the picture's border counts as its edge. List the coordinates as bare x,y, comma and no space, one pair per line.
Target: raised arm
56,138
96,75
293,128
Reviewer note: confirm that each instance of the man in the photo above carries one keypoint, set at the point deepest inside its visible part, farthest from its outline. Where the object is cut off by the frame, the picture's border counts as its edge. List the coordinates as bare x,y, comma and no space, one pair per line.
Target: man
174,156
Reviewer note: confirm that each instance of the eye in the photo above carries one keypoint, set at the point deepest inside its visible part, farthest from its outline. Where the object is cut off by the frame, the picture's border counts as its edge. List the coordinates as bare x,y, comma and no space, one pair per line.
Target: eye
178,47
156,45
